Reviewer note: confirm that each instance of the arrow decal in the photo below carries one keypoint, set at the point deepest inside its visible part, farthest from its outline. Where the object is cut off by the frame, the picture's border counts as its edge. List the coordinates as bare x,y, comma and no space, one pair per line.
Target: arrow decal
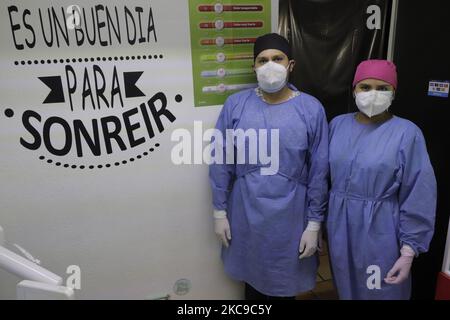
56,90
130,79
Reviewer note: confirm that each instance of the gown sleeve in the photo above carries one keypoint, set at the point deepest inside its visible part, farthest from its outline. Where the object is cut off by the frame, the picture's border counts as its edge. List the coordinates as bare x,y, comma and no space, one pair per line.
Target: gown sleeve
317,190
417,195
221,175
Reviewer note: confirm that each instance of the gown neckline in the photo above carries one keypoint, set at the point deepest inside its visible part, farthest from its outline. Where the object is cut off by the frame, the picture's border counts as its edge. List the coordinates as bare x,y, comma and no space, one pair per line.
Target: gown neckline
370,125
296,93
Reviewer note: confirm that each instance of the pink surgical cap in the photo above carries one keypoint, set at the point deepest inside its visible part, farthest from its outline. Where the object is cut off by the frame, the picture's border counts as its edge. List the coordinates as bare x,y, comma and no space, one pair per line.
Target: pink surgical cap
376,69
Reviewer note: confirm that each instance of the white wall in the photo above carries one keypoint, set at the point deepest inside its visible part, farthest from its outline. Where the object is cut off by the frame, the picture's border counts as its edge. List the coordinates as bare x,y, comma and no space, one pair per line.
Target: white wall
133,230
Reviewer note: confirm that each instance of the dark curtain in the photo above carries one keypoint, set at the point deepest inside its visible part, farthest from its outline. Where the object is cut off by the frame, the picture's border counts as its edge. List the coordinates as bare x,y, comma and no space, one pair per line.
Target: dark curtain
422,54
329,38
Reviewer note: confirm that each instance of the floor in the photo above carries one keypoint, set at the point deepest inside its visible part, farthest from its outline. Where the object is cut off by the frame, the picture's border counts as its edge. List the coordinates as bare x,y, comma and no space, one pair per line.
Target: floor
324,289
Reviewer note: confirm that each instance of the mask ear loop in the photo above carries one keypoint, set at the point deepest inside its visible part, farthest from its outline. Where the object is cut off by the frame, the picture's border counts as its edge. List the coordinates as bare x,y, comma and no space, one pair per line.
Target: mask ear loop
289,66
288,69
393,98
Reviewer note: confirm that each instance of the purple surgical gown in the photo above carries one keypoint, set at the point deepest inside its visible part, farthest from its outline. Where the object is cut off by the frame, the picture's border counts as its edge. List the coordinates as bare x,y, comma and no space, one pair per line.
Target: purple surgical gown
383,195
268,213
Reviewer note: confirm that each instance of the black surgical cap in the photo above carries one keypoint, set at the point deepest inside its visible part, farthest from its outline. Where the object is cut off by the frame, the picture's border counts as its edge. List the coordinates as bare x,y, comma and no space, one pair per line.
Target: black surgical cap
272,41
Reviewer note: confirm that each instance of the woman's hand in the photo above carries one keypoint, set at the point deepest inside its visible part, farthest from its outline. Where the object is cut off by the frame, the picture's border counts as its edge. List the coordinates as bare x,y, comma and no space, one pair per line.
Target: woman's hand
402,267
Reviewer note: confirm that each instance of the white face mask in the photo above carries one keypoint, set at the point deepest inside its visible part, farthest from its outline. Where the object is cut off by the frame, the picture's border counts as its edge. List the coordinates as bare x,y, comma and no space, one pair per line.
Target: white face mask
373,102
272,77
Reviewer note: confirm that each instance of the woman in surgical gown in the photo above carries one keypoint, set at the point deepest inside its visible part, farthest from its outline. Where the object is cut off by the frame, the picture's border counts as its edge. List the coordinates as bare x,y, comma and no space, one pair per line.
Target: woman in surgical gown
267,220
383,192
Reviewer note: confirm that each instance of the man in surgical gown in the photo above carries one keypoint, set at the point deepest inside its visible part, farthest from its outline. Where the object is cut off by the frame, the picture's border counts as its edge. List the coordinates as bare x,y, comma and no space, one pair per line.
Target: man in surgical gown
383,193
273,218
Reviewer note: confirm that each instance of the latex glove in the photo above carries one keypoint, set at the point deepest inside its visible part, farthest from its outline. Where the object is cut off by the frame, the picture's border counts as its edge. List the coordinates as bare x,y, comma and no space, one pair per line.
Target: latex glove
309,240
320,243
400,270
222,227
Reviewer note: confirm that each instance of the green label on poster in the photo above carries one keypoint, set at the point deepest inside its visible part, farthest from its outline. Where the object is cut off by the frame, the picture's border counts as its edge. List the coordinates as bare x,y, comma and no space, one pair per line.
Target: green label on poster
222,37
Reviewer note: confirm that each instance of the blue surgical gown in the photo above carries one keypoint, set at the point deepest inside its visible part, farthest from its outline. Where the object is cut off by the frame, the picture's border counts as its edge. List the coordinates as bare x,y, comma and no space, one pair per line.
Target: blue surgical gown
383,196
268,213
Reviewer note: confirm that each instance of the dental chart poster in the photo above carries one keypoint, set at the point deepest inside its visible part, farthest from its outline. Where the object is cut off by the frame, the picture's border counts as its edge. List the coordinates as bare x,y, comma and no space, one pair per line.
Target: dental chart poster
91,94
222,37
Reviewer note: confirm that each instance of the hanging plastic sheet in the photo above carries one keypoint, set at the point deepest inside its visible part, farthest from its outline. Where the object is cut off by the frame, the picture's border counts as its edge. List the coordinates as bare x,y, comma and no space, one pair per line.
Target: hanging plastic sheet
329,38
